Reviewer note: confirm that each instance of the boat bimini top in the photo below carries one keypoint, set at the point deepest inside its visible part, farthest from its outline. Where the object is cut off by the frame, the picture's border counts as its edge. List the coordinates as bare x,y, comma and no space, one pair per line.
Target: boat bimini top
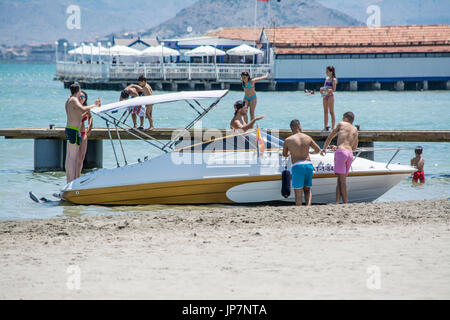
107,112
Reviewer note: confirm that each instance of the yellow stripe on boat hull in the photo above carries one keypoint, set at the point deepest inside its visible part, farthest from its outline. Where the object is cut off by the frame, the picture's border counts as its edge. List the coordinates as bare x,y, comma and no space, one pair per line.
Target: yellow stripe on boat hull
200,191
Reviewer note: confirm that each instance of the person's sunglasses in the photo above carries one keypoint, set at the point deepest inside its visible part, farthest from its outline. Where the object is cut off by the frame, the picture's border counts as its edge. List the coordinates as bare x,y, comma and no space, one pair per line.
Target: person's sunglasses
83,97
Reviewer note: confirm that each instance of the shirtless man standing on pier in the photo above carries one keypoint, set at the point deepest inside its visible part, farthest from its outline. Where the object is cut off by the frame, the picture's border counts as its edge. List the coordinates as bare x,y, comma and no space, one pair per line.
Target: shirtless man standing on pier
147,91
302,169
343,156
74,111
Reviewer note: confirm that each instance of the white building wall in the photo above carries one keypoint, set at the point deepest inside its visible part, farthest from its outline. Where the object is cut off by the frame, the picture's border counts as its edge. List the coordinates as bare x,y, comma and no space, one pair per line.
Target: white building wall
364,69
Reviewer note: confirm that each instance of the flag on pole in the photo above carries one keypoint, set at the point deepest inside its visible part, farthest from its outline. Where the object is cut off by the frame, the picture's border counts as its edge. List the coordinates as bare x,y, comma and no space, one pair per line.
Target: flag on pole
260,141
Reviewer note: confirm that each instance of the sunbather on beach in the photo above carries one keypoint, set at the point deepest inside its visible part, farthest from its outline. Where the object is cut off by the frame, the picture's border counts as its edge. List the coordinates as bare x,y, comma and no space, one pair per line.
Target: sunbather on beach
74,111
419,163
238,123
297,145
137,110
248,84
347,142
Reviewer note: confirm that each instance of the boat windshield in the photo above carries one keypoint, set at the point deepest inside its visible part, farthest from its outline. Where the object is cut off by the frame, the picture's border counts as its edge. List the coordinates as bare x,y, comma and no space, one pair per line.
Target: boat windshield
246,141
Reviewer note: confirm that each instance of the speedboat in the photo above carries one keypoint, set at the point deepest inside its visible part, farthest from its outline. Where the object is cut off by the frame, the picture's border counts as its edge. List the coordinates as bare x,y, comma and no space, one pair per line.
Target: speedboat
236,168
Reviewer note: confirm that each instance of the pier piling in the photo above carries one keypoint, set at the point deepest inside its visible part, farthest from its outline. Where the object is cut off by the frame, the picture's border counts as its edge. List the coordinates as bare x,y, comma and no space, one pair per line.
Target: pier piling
48,155
399,86
376,86
353,85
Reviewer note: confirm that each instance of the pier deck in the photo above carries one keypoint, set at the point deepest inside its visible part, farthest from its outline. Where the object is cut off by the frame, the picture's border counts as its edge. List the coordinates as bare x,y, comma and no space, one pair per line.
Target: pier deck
166,134
50,146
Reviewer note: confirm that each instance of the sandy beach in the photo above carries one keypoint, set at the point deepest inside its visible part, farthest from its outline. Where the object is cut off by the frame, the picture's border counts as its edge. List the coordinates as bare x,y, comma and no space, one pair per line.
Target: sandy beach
395,250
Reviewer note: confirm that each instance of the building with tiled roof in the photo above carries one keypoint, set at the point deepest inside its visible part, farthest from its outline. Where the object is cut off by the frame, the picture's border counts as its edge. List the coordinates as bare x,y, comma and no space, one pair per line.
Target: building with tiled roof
359,53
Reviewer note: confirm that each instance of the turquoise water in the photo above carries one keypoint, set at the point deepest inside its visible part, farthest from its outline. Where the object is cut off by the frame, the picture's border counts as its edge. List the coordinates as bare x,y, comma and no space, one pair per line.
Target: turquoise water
30,98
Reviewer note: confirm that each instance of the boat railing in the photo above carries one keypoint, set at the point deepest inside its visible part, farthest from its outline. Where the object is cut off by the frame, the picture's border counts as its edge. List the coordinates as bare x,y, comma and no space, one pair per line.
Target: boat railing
358,151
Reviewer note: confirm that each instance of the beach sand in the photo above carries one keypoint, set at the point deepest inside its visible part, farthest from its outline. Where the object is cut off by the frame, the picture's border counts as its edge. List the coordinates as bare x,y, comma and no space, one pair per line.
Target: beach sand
359,251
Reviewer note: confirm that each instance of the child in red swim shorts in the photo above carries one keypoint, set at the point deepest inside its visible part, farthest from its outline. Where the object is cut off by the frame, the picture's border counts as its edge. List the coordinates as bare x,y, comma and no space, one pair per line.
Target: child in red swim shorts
418,162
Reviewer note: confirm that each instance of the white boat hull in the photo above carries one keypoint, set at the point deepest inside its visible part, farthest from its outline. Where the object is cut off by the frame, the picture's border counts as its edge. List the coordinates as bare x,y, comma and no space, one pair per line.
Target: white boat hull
225,177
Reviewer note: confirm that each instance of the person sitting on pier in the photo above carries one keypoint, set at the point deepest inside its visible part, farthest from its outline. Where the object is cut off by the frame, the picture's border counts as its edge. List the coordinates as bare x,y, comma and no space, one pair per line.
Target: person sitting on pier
238,123
137,110
418,162
248,84
74,112
347,142
297,145
84,133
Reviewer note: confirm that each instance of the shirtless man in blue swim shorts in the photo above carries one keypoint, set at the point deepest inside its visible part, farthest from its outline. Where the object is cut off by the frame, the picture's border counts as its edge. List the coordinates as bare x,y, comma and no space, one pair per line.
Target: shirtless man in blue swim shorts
298,146
74,111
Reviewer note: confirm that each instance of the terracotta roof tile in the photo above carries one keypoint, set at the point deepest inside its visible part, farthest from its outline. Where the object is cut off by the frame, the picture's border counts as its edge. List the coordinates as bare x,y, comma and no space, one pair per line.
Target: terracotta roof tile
414,38
346,50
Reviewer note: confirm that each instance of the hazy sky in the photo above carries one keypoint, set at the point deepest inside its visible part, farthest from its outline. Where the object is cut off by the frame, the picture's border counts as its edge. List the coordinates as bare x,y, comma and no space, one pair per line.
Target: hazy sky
39,21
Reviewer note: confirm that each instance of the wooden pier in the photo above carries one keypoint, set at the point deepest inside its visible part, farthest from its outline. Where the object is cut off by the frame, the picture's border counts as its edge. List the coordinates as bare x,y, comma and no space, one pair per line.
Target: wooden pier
50,146
166,134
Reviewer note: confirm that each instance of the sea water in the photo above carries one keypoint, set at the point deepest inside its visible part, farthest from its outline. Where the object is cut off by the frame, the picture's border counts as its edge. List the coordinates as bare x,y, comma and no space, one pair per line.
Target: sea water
29,97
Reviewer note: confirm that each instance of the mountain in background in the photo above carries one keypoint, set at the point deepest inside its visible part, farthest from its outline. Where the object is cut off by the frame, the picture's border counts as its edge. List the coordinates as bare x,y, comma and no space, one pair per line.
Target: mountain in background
206,15
40,21
396,12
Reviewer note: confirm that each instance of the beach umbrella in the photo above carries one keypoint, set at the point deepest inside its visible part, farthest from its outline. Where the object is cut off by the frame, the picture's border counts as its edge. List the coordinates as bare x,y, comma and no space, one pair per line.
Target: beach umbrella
244,50
86,50
121,51
159,51
205,51
83,49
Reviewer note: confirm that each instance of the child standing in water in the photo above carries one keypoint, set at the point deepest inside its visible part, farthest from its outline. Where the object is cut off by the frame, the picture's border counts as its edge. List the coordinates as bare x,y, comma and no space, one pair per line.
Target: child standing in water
328,97
418,162
248,84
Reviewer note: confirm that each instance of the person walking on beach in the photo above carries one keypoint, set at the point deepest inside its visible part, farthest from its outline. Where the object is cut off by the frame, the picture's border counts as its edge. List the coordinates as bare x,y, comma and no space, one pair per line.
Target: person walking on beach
418,162
328,97
87,116
248,84
238,123
74,112
147,91
297,145
137,110
347,142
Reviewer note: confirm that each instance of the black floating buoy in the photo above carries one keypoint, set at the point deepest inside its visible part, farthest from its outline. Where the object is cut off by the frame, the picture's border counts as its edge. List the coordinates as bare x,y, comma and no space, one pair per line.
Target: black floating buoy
286,183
